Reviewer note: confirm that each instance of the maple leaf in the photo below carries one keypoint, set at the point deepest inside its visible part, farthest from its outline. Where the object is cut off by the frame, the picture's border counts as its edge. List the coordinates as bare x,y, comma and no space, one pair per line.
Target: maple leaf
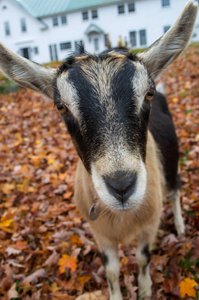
187,287
67,261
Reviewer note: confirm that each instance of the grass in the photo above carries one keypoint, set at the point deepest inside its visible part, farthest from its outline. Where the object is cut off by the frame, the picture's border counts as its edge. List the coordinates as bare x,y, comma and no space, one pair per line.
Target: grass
7,86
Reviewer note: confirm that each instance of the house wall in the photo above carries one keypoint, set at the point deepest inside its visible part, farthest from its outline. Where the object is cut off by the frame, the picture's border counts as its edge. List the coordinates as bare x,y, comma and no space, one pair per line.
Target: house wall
149,15
17,40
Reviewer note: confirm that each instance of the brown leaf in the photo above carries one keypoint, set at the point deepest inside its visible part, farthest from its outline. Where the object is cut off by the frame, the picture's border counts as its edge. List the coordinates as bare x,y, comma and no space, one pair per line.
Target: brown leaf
33,278
97,295
52,259
12,293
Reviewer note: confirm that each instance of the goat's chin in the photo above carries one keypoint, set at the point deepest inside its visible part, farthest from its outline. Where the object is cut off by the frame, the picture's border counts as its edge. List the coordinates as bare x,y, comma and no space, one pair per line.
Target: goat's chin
110,202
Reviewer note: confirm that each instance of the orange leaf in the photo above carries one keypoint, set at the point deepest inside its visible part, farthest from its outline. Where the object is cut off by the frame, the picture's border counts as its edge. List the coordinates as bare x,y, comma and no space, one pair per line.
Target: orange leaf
20,245
67,261
187,287
75,240
81,281
175,100
67,195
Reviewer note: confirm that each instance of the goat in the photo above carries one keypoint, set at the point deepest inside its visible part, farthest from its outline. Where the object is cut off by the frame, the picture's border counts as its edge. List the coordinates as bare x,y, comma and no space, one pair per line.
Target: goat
123,132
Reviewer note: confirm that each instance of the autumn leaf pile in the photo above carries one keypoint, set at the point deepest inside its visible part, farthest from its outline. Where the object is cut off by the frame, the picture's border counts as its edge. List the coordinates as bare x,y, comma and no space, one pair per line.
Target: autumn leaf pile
47,250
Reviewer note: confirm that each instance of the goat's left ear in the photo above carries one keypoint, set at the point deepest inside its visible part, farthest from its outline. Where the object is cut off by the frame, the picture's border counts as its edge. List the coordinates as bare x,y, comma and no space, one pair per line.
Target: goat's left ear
27,73
165,50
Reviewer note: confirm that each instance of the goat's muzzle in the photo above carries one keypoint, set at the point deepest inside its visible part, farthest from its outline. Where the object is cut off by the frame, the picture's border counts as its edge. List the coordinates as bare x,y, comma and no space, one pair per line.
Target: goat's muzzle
121,185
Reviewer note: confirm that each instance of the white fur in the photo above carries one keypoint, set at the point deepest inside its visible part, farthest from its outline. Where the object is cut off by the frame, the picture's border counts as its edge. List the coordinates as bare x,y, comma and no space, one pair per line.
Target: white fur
69,96
178,219
132,165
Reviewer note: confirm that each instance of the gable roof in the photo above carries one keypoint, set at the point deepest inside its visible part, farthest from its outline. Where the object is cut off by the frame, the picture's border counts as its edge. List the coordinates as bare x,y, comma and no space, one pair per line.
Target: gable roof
44,8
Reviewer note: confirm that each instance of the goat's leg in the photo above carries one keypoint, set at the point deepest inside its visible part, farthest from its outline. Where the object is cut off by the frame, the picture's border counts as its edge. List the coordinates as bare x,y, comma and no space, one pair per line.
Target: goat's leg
143,257
178,219
112,268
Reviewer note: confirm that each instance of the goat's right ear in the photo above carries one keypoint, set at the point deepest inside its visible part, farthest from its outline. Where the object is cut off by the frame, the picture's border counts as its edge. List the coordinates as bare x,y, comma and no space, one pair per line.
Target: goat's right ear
27,73
165,50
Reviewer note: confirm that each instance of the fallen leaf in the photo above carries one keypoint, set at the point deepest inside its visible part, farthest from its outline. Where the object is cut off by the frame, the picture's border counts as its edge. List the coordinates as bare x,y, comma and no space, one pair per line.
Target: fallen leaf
33,278
187,287
97,295
12,293
6,223
67,261
52,259
12,251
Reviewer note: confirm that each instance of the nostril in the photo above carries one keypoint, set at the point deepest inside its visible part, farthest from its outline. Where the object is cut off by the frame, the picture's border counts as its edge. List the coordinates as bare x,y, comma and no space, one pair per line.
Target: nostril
121,185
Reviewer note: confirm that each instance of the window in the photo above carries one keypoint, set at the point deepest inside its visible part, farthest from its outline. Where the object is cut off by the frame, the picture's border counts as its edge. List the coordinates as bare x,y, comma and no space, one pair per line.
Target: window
55,21
133,38
63,20
36,50
121,9
107,41
96,44
53,52
65,46
94,14
23,25
85,15
25,52
165,3
131,6
78,45
7,28
166,28
143,37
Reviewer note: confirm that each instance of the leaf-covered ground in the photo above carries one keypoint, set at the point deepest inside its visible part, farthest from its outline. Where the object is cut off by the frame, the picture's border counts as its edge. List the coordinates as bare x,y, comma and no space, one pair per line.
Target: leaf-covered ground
46,248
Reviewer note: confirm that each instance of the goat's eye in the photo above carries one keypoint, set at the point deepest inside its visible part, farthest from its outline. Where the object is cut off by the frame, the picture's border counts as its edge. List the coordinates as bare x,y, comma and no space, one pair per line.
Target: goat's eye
149,96
62,108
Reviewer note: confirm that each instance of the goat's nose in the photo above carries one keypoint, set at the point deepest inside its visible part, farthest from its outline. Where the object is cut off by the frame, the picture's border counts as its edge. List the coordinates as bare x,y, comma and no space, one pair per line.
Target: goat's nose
121,185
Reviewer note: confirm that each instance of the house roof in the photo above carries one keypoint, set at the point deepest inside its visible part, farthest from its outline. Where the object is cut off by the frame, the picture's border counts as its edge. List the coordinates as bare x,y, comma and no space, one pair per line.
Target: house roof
44,8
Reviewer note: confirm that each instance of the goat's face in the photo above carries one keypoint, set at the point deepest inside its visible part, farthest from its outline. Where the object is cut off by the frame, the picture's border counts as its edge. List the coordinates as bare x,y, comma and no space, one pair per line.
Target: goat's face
105,102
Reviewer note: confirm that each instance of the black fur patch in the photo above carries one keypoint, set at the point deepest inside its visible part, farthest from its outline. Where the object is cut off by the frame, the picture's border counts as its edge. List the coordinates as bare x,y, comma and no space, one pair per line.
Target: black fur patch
105,258
147,254
66,65
163,130
111,286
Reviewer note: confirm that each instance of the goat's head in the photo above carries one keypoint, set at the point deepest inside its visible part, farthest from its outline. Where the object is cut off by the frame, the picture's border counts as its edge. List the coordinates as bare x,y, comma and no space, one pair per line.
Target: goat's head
105,102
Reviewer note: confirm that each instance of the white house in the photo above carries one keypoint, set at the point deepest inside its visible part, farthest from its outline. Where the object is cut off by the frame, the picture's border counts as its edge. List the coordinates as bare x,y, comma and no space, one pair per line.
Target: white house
46,30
